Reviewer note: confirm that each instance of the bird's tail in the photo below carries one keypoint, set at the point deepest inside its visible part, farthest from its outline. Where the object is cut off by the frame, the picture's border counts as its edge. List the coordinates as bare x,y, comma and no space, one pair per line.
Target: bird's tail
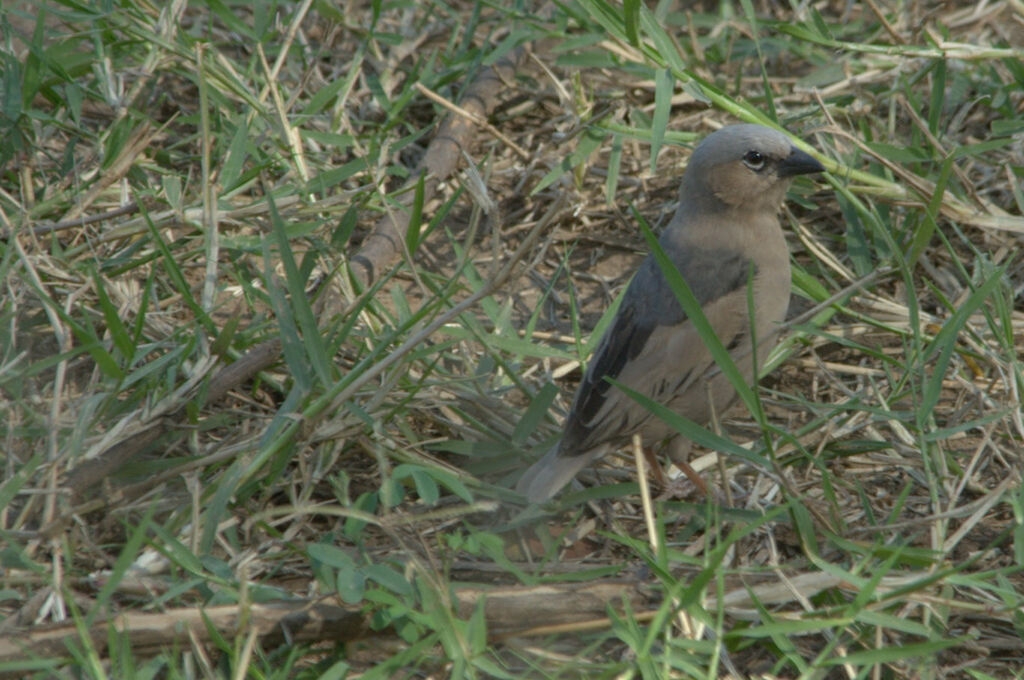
548,475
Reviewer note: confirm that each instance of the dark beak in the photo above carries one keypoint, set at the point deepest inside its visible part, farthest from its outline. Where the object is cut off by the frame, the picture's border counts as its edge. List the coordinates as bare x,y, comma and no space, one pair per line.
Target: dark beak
799,163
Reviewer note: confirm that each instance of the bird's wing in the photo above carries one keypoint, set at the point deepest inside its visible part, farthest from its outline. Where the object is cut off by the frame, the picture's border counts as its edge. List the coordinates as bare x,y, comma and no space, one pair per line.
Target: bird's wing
653,348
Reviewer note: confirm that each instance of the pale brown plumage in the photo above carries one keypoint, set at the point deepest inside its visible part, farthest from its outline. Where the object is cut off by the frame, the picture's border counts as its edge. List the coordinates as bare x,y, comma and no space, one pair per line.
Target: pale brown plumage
725,229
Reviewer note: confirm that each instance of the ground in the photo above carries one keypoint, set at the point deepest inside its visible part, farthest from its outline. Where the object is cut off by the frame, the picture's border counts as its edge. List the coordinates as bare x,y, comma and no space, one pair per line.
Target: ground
215,421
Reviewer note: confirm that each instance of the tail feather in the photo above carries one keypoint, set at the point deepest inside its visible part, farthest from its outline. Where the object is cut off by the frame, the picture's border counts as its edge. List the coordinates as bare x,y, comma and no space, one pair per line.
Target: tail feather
548,475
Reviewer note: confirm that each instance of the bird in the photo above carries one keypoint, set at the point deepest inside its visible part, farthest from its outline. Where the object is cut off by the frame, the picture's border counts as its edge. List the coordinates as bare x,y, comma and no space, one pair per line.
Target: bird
725,235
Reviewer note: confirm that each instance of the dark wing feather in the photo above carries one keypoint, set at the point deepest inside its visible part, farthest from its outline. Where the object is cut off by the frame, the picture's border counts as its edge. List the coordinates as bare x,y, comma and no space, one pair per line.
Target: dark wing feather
648,305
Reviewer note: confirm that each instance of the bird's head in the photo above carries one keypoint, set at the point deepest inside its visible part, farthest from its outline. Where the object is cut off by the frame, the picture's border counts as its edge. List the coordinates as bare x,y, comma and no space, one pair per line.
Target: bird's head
744,166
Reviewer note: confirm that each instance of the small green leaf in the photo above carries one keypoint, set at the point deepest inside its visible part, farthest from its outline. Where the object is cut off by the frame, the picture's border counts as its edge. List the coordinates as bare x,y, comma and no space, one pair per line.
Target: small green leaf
928,225
614,167
351,585
664,86
412,232
944,342
388,578
426,487
331,556
535,414
666,51
115,326
234,160
630,14
511,344
936,108
329,178
339,88
900,652
313,347
1002,127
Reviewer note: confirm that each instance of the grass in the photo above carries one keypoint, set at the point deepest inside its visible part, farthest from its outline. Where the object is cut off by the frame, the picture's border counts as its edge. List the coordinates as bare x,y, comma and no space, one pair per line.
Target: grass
180,184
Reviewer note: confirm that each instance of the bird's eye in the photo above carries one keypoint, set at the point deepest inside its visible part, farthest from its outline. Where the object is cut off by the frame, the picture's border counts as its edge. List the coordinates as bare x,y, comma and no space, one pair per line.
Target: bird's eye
753,160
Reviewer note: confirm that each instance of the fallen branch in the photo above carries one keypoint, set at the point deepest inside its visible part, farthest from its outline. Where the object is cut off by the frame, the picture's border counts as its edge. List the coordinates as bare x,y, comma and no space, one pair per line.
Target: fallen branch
383,246
510,611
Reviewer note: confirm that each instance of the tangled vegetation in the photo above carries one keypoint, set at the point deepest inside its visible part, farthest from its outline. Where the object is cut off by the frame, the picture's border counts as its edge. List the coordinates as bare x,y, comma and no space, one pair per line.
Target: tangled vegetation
293,291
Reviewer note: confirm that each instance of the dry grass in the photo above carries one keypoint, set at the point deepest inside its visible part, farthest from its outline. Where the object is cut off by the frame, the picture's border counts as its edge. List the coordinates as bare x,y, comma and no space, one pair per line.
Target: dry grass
873,526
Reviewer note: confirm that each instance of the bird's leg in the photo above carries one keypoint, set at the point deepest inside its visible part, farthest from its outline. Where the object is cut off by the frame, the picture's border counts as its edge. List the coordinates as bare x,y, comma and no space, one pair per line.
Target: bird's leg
679,453
660,478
